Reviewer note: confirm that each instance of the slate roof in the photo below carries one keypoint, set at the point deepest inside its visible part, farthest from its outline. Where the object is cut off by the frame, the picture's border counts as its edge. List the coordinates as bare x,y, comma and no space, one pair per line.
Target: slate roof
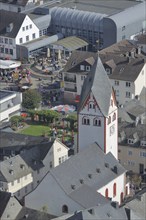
130,129
11,139
21,3
76,58
11,169
125,68
8,18
141,39
30,214
137,205
96,80
83,166
4,199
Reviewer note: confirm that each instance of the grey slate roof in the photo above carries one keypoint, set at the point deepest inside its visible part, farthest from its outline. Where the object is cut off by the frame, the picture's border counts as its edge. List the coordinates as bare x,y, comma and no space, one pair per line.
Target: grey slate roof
83,166
4,199
129,130
21,3
11,17
12,140
96,80
11,169
137,205
125,68
42,22
31,214
76,58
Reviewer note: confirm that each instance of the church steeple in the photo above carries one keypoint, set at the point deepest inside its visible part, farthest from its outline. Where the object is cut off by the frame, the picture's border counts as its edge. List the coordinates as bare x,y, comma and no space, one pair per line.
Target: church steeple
97,111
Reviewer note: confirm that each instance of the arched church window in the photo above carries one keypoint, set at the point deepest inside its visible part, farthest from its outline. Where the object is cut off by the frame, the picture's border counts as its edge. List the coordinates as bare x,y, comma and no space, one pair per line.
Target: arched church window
109,120
106,193
114,189
65,209
92,105
97,122
114,116
85,121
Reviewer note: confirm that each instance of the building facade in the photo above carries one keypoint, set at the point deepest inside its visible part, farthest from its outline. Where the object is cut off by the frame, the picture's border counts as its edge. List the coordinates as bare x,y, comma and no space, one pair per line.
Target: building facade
10,104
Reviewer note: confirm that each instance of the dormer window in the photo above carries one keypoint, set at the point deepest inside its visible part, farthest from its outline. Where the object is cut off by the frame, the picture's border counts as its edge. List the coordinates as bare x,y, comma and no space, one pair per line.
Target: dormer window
108,71
87,68
82,67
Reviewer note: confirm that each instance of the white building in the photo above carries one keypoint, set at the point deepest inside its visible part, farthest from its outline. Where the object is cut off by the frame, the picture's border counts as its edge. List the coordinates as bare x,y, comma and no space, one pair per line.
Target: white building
19,5
15,29
10,104
95,165
126,68
21,174
124,64
91,170
97,112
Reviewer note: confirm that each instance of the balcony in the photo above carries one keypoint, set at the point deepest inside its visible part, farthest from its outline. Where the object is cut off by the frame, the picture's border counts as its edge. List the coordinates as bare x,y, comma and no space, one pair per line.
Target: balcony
70,89
67,79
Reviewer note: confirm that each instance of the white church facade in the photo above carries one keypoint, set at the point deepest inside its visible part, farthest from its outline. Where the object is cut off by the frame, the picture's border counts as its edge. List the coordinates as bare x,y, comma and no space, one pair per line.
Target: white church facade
95,166
97,113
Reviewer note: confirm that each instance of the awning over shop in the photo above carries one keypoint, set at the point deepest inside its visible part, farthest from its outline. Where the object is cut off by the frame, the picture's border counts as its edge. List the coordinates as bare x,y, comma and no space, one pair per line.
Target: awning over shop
69,43
9,64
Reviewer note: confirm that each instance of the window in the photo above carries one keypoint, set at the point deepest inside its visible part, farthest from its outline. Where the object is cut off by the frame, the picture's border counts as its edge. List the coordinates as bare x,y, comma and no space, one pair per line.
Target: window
112,130
130,141
114,189
112,102
12,183
82,67
59,149
128,95
6,50
50,164
11,51
123,28
6,40
87,68
91,105
117,92
65,209
33,36
20,40
131,163
116,83
129,153
59,160
27,27
108,71
143,154
23,28
85,121
109,120
114,116
97,122
2,49
30,26
106,193
128,84
10,41
27,38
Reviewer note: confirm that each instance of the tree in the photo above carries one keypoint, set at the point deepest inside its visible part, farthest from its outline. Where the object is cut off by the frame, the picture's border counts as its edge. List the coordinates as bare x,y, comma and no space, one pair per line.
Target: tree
15,120
31,99
72,119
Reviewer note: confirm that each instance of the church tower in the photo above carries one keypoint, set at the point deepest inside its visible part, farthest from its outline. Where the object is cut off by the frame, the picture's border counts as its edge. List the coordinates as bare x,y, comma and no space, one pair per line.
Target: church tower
97,112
